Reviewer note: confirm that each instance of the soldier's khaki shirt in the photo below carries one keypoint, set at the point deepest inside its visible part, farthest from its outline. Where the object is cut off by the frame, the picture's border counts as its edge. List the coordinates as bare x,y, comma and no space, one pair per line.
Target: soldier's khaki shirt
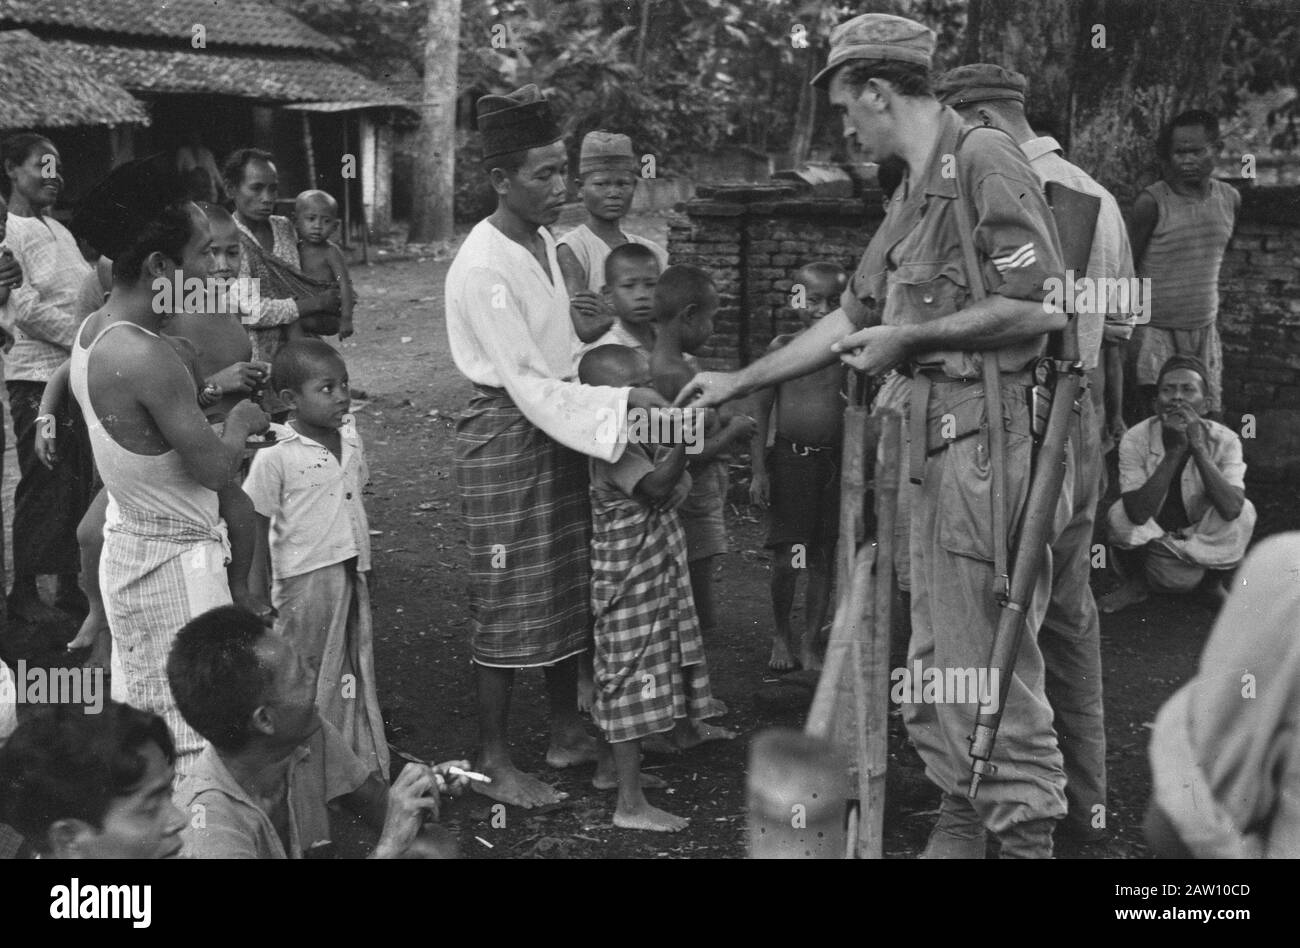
913,271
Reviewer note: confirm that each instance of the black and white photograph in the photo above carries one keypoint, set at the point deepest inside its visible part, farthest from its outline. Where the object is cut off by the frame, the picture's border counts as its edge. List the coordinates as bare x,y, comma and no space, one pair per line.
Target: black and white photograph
651,430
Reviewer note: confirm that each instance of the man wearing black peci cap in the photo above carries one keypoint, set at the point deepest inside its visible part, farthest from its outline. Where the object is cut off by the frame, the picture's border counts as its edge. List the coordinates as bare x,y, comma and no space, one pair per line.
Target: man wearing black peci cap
165,546
523,441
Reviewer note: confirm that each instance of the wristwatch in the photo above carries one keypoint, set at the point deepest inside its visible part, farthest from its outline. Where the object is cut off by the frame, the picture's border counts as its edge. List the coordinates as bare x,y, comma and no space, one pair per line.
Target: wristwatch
210,394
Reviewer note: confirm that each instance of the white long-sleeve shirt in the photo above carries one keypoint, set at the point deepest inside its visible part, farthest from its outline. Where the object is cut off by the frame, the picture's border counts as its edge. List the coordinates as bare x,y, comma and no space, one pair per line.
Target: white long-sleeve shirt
509,327
43,314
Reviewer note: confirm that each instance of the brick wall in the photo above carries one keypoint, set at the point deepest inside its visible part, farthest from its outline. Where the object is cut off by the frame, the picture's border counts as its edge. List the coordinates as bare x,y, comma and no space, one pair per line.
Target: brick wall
752,238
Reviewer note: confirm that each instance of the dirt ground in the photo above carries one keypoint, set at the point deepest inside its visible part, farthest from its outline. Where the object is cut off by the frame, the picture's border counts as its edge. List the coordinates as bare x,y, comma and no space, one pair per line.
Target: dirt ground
400,360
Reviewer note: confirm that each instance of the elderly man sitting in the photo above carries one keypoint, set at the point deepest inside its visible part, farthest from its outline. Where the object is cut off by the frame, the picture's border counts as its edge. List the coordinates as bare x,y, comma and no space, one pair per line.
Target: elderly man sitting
1182,517
261,787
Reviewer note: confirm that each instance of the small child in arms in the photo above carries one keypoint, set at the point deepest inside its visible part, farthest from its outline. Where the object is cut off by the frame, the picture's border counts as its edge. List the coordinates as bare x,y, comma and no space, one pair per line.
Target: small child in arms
216,349
630,273
316,218
607,180
307,491
649,660
800,476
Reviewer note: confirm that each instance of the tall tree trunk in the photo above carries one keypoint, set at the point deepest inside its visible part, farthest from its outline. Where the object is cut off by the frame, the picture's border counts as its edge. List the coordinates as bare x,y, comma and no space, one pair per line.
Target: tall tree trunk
1035,39
435,171
805,116
1108,101
1161,57
641,36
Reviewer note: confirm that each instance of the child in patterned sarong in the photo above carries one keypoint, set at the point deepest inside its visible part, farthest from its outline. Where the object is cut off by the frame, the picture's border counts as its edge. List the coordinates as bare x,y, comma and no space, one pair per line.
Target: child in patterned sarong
649,658
307,492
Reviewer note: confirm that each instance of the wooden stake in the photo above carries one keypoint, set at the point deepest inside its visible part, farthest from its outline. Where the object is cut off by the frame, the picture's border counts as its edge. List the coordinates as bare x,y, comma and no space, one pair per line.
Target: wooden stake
308,150
874,759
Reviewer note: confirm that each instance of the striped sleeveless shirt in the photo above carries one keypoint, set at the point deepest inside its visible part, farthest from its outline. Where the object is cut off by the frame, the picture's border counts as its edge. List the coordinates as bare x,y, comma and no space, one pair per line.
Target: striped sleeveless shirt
1185,253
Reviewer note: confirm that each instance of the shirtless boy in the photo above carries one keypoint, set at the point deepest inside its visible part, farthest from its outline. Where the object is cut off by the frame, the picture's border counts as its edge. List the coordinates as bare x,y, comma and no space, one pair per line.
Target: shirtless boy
799,477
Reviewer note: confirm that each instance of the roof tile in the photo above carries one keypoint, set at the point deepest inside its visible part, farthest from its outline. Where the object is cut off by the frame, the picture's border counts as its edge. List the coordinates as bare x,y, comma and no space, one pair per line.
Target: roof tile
226,22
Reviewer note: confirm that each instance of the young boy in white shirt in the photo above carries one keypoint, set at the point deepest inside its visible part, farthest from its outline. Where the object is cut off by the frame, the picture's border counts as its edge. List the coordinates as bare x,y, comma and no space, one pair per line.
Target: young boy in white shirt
307,492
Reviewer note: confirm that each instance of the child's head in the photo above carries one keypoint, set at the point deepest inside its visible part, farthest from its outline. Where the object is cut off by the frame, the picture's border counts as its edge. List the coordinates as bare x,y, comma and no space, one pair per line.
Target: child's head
1188,145
607,175
823,282
225,242
315,215
616,366
311,378
685,297
631,272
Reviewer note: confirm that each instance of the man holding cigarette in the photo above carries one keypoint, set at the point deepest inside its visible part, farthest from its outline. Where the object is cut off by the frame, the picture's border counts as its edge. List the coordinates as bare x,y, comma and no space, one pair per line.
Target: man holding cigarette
262,786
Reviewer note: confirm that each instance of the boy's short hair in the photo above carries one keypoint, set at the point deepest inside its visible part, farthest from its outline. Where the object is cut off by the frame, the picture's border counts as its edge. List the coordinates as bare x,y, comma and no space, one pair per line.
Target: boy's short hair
216,675
1206,120
828,269
62,763
294,364
679,286
908,79
315,196
631,253
612,365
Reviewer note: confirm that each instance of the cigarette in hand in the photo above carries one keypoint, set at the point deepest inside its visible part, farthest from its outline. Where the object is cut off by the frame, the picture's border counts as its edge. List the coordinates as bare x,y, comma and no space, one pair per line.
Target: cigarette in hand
469,775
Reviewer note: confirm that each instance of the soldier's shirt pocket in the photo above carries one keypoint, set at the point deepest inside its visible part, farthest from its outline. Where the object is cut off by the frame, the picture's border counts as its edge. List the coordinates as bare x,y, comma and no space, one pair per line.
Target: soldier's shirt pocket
929,290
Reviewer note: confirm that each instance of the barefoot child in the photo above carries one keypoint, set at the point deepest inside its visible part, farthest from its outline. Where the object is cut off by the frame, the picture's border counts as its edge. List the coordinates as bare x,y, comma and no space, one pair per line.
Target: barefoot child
630,273
307,491
800,476
607,179
216,349
316,218
683,298
650,668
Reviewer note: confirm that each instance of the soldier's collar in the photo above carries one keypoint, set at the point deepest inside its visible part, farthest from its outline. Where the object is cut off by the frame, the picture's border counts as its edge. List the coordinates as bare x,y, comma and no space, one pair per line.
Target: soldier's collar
941,170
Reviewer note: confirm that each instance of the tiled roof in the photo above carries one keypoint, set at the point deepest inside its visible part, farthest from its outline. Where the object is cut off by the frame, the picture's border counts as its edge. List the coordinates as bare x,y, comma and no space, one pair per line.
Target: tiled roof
269,78
49,88
226,22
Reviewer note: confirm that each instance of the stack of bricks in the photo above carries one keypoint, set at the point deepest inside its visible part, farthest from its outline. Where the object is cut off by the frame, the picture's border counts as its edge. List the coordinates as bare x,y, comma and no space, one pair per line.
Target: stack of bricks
752,238
1259,320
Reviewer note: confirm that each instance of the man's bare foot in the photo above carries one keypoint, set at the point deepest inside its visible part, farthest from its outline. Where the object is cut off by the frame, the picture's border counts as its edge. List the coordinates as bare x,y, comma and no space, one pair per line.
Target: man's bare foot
810,660
513,786
717,709
572,752
781,660
696,733
586,694
608,780
647,817
659,744
95,625
1130,594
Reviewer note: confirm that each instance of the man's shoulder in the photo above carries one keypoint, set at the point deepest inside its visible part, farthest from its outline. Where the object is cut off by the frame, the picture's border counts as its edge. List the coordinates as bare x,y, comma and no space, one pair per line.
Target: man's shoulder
1220,433
988,151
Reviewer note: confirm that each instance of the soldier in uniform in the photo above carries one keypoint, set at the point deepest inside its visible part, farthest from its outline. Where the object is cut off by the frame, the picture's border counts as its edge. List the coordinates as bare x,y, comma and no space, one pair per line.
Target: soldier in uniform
909,305
1070,638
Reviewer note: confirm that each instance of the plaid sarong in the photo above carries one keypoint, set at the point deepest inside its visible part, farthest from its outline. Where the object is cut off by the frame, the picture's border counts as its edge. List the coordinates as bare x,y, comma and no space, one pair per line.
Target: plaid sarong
326,614
524,500
156,574
649,658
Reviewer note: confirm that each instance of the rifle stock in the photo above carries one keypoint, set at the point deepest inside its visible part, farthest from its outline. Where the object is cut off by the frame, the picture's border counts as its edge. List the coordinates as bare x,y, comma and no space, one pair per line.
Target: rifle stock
1075,214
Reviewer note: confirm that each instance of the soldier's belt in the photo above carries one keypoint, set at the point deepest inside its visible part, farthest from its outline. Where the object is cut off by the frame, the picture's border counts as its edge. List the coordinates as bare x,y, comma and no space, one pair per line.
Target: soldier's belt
934,440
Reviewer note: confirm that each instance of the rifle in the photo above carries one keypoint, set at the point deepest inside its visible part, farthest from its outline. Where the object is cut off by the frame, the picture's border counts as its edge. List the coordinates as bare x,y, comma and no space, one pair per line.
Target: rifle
1076,217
